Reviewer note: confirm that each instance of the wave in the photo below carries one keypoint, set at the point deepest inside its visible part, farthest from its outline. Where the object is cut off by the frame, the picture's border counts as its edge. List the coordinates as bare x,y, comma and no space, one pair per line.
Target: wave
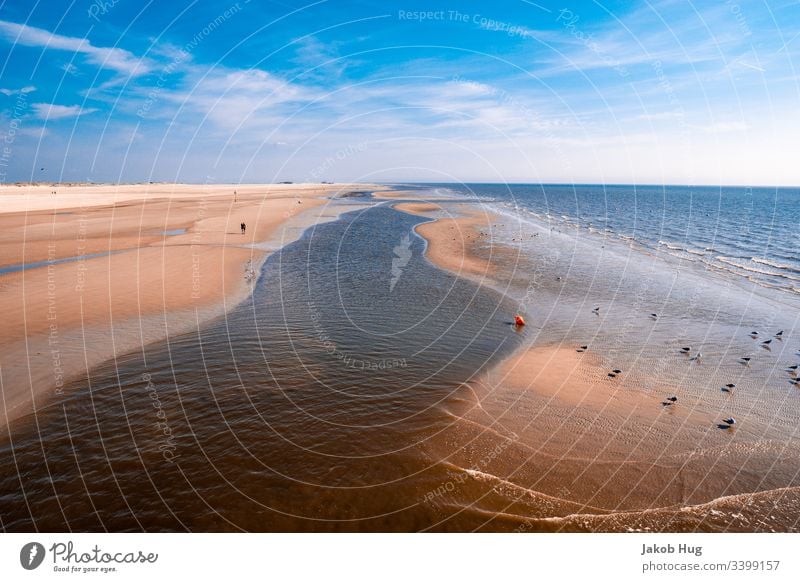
746,267
792,268
683,248
776,272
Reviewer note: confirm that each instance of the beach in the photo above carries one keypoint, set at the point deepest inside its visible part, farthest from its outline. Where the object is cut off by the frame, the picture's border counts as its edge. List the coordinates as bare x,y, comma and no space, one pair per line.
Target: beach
586,414
367,374
109,269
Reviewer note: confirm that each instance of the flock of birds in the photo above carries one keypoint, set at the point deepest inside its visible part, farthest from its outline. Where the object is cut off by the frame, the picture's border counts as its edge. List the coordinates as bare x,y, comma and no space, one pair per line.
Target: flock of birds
745,360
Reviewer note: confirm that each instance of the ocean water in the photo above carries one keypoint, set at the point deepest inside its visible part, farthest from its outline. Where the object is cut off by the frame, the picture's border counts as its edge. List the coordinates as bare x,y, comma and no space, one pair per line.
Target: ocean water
356,389
650,467
748,232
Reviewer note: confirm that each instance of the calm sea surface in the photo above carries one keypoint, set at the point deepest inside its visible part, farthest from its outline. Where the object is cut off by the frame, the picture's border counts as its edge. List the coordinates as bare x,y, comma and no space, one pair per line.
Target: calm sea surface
749,232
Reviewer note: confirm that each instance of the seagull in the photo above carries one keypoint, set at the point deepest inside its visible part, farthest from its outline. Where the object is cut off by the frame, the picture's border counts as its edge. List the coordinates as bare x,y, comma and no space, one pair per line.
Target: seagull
754,333
746,360
686,350
596,310
610,375
617,371
792,367
699,356
729,387
779,334
672,399
730,421
654,315
767,342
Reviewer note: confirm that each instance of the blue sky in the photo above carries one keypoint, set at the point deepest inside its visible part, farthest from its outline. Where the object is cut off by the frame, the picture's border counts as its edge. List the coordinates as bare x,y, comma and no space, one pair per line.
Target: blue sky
508,90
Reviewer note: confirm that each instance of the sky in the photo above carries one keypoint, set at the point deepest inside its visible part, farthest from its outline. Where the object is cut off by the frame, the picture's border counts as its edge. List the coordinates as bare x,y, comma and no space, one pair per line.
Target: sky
663,92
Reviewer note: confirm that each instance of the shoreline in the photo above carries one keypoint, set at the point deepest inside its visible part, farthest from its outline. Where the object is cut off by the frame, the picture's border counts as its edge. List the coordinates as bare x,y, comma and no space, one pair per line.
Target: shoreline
451,238
120,267
581,436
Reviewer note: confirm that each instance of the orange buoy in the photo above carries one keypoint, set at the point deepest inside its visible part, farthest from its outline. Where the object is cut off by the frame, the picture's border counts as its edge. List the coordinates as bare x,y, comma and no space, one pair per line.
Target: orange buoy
518,320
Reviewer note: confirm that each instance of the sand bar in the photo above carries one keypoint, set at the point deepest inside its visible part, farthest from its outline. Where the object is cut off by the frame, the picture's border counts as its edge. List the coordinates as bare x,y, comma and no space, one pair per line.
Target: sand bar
95,271
575,432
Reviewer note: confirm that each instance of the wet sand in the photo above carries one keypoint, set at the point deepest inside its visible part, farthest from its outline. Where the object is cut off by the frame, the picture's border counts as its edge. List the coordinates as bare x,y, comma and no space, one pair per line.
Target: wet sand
450,238
568,431
94,271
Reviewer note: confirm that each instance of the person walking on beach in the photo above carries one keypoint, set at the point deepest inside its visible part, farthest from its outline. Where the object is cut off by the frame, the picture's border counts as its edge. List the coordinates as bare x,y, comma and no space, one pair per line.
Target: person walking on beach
244,227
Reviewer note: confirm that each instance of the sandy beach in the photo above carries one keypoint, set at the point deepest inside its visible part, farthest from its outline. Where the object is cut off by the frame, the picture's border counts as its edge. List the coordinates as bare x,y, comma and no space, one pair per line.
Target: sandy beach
576,431
365,357
91,271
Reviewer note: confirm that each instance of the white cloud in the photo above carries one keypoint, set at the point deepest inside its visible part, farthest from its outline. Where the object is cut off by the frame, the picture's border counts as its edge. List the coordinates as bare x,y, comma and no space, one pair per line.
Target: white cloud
238,99
35,132
319,60
23,91
115,59
52,111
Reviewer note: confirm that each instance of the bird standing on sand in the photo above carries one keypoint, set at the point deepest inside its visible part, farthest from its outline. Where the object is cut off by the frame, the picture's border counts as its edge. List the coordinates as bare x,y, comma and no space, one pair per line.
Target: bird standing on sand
779,334
686,350
728,387
730,421
596,310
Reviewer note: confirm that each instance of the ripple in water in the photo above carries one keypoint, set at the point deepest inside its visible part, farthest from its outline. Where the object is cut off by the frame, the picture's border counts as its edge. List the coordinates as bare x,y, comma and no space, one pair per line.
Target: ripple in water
306,408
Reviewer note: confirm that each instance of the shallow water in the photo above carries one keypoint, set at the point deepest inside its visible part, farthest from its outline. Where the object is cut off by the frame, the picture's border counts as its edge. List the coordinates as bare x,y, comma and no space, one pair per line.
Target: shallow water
355,392
39,264
304,409
646,467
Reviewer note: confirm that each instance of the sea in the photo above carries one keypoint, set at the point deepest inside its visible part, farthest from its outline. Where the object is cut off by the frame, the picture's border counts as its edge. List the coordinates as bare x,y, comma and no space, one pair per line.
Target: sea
354,390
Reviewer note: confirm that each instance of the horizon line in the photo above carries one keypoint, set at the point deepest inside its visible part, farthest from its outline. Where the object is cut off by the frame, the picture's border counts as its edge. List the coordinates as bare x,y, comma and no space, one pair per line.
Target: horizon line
393,182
